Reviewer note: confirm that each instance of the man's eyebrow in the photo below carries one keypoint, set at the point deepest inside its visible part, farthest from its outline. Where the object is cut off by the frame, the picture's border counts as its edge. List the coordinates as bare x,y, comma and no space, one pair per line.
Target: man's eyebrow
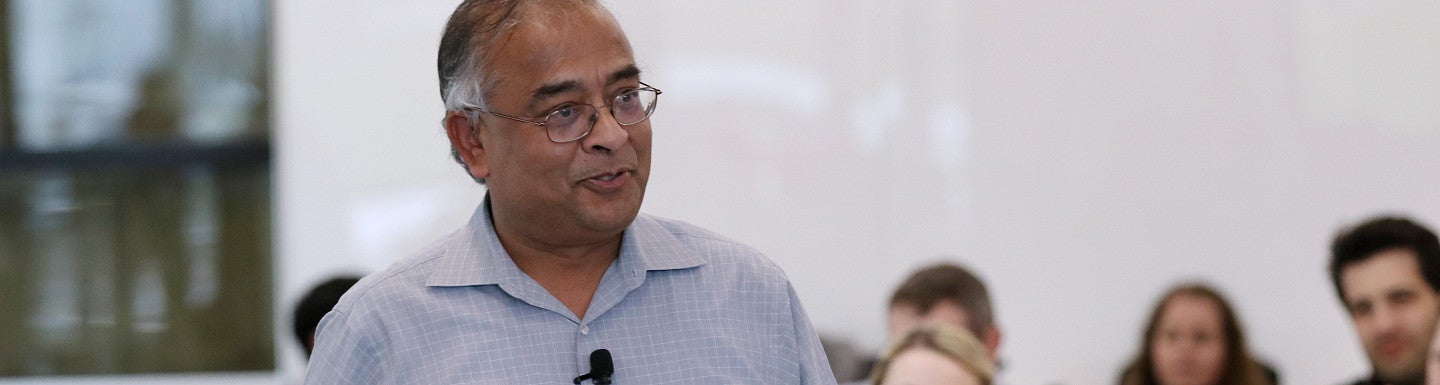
552,89
629,72
546,91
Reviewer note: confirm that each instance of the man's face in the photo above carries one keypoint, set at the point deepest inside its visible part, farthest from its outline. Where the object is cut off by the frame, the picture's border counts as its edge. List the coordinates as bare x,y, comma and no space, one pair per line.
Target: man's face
1394,311
562,194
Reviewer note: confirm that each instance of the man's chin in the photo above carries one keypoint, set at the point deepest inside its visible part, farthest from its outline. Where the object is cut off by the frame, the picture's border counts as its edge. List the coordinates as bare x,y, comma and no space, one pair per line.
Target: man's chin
613,216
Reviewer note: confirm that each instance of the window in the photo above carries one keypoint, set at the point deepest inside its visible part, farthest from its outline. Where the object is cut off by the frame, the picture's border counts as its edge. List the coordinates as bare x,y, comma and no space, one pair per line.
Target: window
134,187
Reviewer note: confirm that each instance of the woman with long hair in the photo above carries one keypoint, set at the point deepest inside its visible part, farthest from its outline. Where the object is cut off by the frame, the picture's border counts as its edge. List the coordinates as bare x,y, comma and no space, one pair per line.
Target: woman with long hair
1193,337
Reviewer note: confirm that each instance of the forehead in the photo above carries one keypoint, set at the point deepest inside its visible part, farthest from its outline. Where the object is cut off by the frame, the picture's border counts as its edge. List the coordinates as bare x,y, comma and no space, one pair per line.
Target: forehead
947,311
1383,271
941,311
1191,310
557,41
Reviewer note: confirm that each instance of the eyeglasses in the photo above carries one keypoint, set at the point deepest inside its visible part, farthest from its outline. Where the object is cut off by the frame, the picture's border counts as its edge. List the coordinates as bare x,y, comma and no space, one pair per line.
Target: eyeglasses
570,122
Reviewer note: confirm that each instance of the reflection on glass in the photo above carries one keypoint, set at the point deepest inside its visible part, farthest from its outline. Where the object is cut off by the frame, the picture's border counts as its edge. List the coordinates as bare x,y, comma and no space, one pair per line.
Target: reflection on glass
135,188
123,272
90,72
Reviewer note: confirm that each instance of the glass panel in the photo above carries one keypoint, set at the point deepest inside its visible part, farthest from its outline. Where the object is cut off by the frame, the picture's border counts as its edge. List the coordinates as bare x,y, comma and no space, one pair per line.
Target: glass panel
91,72
135,188
135,271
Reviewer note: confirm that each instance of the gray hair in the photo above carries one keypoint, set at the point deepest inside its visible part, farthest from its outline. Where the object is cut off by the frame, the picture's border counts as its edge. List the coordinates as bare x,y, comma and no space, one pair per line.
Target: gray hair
473,30
465,47
473,33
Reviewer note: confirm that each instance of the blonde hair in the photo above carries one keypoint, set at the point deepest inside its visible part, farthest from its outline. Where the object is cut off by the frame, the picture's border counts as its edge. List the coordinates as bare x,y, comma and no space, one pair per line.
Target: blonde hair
951,341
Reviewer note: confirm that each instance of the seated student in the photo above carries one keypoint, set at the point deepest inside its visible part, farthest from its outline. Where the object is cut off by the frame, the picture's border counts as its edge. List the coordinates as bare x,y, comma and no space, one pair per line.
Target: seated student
943,293
935,355
1194,338
1386,271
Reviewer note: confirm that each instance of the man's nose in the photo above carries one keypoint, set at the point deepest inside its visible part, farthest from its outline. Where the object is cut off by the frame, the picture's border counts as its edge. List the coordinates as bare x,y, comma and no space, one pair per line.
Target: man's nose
1387,318
606,134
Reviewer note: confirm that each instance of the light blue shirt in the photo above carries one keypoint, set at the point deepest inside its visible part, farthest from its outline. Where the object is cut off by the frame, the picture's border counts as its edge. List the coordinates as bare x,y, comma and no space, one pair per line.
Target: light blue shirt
681,305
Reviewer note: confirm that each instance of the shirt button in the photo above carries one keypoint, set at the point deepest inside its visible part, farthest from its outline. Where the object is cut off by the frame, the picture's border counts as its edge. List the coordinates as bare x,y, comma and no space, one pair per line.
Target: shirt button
585,329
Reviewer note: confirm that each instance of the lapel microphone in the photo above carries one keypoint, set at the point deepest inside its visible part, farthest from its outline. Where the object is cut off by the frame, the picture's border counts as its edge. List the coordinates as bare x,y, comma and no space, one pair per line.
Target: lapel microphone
601,368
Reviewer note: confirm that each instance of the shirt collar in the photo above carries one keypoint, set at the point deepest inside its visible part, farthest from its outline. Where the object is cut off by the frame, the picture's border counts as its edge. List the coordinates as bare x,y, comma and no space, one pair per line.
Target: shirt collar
474,256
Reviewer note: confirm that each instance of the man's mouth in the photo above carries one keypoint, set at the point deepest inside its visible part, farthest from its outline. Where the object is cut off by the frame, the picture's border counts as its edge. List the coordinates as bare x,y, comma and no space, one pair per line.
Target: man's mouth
607,181
1392,347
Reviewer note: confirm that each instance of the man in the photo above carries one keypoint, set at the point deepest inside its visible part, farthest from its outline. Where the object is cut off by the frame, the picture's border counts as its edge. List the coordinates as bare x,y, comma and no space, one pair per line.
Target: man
545,107
944,294
1386,271
947,294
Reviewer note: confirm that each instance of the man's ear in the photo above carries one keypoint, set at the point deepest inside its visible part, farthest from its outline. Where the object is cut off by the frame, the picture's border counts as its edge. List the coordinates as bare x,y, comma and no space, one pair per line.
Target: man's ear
465,138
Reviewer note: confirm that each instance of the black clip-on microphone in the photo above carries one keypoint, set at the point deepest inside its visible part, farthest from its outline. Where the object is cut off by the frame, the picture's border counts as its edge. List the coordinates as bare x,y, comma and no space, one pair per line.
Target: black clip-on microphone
601,368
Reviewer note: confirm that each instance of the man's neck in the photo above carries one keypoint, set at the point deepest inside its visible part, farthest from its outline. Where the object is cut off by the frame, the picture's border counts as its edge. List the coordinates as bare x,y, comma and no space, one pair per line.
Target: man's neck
571,273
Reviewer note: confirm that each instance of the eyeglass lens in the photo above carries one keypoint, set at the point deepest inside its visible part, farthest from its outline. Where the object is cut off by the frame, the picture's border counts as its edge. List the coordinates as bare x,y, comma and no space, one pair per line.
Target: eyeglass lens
574,121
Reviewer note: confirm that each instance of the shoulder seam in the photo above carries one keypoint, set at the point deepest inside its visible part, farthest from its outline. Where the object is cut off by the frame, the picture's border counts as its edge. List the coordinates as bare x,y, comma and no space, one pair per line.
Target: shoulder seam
365,292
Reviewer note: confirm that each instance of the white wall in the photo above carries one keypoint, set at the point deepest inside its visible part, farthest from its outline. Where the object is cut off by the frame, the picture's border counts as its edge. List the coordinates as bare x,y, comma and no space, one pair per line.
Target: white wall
1082,156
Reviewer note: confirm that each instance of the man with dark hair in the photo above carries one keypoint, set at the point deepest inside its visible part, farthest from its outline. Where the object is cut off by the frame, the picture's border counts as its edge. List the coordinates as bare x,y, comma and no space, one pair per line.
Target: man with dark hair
558,278
944,293
313,306
1386,272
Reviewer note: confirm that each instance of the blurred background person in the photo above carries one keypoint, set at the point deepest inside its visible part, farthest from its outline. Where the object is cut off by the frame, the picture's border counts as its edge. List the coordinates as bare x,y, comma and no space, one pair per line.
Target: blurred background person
313,306
944,293
1386,271
936,354
1193,337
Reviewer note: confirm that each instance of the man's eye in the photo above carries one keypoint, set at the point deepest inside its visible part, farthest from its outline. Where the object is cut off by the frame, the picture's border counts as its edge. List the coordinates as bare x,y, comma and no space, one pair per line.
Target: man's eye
1403,297
566,112
566,117
627,97
1360,308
